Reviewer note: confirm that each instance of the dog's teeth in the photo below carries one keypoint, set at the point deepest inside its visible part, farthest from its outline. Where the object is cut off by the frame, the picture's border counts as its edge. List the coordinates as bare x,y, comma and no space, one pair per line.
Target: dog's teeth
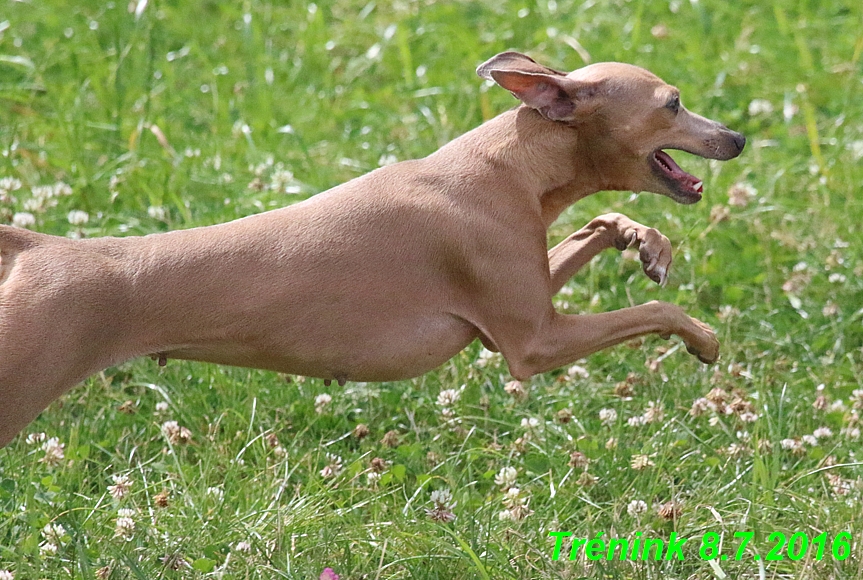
698,186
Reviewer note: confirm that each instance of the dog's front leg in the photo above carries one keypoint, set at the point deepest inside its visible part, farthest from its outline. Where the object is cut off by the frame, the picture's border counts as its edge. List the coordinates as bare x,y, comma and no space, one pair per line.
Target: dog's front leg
611,230
563,339
534,338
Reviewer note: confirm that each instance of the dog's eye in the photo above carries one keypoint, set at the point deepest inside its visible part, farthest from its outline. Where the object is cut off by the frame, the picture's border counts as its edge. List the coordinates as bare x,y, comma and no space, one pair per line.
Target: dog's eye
673,104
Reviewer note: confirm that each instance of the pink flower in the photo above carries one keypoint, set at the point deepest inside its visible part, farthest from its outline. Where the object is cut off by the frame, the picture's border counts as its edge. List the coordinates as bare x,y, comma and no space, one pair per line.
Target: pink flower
328,574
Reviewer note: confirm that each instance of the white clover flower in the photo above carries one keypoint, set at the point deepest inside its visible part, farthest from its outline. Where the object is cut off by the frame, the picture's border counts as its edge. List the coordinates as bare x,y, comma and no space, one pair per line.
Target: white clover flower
373,477
23,219
516,504
61,188
124,527
702,405
505,516
735,450
822,432
636,507
741,194
578,460
6,575
641,462
53,533
387,159
216,492
840,486
760,107
727,312
635,421
43,192
512,494
441,496
33,205
608,416
333,468
530,423
121,486
577,372
243,546
654,412
793,445
77,217
810,440
157,212
448,397
506,477
850,432
34,438
322,401
837,406
53,451
516,389
748,417
10,184
47,549
161,408
176,433
487,358
443,506
282,180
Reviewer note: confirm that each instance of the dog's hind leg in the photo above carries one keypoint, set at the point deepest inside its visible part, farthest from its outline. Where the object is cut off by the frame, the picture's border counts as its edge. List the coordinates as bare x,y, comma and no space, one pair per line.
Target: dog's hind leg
44,352
611,230
60,314
563,339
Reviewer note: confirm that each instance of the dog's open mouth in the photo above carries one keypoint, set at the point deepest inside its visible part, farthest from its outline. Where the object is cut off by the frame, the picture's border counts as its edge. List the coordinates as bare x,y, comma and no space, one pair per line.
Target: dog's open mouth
685,188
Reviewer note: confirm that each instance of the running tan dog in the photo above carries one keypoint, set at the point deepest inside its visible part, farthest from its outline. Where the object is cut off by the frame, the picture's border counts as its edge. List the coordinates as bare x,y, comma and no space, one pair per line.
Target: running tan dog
389,275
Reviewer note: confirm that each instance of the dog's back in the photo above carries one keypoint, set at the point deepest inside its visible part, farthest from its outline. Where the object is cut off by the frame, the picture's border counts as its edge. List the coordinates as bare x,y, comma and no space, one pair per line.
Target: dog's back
12,241
12,238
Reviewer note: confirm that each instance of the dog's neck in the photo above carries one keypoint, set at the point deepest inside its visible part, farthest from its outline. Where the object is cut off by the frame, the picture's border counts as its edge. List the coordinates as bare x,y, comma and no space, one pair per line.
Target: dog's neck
542,157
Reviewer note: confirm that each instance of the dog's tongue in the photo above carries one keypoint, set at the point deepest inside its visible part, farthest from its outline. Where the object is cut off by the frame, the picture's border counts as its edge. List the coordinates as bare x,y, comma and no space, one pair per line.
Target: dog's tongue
674,171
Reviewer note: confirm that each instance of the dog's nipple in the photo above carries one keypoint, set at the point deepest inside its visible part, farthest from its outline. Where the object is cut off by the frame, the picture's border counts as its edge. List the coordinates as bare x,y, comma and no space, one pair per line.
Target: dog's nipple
328,382
163,359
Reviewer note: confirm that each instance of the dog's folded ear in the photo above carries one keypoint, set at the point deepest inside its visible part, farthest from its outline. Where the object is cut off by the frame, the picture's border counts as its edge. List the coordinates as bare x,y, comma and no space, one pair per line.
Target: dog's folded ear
514,61
549,91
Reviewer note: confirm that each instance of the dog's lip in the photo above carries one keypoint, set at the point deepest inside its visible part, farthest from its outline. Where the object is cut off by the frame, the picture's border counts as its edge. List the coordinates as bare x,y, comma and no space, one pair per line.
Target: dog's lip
686,187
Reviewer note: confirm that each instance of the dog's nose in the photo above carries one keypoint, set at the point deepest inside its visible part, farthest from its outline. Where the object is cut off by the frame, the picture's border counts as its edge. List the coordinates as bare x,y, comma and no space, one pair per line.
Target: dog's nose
739,141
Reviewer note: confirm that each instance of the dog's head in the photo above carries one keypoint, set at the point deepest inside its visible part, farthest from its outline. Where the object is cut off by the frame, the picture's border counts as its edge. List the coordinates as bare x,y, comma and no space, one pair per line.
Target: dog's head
625,118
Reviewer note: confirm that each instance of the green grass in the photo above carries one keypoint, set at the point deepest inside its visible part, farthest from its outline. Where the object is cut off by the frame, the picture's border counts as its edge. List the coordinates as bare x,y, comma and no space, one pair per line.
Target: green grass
239,91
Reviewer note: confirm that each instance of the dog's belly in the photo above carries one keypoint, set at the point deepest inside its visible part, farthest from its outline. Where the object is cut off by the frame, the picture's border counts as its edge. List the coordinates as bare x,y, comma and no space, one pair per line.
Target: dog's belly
392,351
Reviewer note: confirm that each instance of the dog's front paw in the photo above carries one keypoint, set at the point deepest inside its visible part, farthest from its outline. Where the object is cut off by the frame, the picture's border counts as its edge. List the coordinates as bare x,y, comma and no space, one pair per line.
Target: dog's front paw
702,342
654,251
